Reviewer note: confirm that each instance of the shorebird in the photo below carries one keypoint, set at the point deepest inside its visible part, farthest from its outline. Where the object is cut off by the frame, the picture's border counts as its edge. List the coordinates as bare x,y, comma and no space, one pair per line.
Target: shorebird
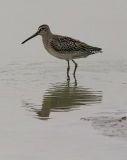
64,47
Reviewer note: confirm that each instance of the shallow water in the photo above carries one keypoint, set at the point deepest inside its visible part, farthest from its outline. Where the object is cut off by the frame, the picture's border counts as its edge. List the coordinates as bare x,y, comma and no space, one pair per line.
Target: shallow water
42,115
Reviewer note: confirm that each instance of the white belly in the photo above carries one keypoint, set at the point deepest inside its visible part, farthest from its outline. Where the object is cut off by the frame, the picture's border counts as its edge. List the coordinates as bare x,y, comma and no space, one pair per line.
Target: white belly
66,55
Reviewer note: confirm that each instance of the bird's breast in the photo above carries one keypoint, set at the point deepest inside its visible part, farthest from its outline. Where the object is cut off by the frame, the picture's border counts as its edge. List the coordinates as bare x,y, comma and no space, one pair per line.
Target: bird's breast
49,48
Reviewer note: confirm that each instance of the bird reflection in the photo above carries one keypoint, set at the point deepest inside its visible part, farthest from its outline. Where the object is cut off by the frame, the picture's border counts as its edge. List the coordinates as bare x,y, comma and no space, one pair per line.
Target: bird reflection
63,97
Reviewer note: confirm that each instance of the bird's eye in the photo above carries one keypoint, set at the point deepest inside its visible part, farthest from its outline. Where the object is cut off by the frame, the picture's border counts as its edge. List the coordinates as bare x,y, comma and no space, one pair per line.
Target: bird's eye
42,29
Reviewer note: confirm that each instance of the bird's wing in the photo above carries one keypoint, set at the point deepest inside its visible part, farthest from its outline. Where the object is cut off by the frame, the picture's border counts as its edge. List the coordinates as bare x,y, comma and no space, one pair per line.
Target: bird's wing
66,44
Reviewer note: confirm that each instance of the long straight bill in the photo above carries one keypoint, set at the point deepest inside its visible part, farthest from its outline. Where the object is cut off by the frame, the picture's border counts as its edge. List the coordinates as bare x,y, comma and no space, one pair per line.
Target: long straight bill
34,35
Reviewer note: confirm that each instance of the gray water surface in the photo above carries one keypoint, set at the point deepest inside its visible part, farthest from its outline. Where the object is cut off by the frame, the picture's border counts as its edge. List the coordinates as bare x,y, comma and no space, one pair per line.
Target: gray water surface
42,113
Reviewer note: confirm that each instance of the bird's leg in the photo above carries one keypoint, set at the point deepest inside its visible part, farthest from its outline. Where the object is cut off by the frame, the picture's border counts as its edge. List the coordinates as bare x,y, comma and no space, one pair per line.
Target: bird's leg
75,83
68,69
75,67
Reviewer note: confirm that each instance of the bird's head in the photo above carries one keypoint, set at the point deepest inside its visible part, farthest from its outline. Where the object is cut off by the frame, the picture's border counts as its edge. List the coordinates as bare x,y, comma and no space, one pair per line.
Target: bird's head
42,30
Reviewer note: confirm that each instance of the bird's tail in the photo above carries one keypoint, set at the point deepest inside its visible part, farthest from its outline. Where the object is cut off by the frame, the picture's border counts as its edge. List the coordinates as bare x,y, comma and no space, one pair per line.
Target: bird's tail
90,49
94,50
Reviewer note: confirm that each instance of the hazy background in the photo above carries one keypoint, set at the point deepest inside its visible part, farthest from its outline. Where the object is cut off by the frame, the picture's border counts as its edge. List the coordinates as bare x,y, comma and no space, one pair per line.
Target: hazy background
101,23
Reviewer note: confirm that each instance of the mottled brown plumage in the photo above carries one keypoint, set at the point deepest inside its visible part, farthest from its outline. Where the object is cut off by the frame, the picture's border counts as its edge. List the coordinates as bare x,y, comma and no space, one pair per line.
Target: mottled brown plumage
63,44
64,47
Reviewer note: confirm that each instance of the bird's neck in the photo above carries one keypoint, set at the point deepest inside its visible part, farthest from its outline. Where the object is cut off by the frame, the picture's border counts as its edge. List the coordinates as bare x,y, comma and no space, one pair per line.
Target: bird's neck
46,38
